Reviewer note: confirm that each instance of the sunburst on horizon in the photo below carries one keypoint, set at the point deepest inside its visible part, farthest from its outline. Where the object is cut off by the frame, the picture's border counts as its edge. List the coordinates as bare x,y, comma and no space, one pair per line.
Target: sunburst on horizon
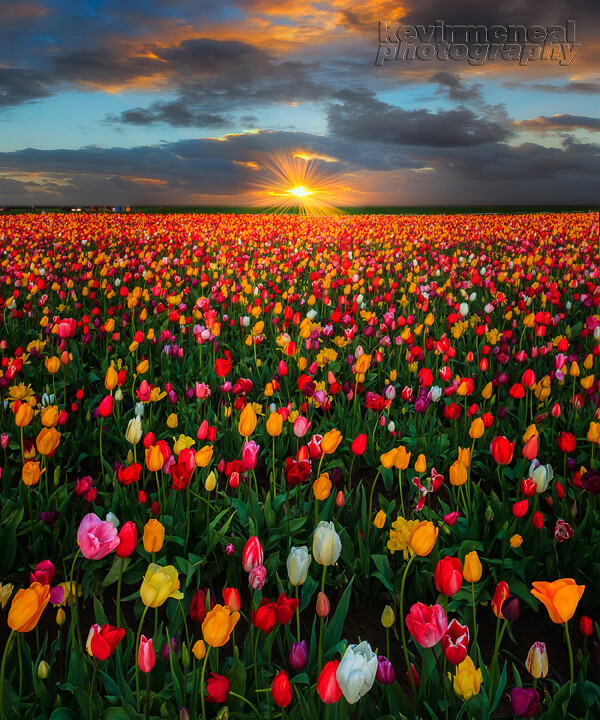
299,182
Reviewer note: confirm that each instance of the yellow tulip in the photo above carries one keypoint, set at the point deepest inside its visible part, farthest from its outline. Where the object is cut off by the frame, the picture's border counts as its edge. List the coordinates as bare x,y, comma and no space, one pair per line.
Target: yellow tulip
274,424
467,680
472,569
49,416
423,537
204,456
218,624
142,367
154,535
211,482
172,421
160,583
421,464
593,433
331,441
183,442
24,415
387,617
322,487
247,423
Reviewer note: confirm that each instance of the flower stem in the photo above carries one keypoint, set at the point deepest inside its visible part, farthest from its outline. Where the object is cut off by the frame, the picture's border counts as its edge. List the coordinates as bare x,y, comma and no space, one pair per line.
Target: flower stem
241,697
93,690
402,621
202,702
298,615
321,622
571,676
137,663
474,619
2,671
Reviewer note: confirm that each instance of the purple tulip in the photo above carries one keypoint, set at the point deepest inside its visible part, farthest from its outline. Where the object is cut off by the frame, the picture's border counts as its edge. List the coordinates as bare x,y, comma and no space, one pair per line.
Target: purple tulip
525,702
298,655
385,674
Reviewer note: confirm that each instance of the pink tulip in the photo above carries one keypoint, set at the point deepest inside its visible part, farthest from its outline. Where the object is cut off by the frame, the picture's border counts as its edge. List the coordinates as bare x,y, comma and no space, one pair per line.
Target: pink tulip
427,624
146,654
250,454
301,425
96,537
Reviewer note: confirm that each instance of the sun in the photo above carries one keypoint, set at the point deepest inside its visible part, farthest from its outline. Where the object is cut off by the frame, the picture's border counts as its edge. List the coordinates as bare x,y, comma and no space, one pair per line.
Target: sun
300,191
299,183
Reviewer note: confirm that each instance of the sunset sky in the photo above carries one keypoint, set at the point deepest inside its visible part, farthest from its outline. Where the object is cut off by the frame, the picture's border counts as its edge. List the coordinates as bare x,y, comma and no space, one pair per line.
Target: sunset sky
207,103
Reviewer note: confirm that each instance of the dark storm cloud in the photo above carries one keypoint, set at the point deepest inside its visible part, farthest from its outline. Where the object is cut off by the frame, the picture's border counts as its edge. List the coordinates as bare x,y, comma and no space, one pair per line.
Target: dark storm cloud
554,123
362,117
176,113
454,87
583,88
18,86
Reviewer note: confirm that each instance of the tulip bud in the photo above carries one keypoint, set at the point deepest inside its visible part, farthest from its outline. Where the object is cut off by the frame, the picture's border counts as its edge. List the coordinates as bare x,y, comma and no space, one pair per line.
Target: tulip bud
537,660
511,608
257,577
385,674
61,616
323,605
298,655
413,678
586,625
199,650
387,617
185,655
43,670
184,713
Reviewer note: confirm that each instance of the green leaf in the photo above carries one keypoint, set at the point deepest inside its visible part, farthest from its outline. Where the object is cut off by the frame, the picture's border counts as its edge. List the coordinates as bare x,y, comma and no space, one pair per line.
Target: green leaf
333,632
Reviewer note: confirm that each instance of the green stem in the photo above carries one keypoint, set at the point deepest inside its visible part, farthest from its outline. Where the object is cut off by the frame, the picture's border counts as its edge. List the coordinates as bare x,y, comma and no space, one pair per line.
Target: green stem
402,622
371,506
2,671
322,621
187,635
19,652
202,701
474,619
137,663
93,690
257,631
101,460
148,698
400,487
119,583
571,676
241,697
298,615
74,618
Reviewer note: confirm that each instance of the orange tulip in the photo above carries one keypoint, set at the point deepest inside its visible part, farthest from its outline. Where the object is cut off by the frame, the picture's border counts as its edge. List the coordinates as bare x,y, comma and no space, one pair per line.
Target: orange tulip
402,458
274,424
27,607
154,458
204,456
331,441
560,597
47,441
31,473
247,423
23,415
388,459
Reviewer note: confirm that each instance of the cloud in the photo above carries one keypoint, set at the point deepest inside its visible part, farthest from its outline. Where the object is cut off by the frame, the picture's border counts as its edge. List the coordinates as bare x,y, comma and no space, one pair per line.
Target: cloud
575,87
453,86
554,123
362,117
18,86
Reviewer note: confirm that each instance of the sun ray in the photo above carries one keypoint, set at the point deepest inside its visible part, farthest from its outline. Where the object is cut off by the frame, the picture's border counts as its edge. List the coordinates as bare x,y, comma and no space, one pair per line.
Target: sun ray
297,182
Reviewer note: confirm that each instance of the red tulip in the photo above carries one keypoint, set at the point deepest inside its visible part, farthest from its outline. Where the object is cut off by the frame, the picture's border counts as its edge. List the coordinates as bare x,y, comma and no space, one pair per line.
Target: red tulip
231,598
128,540
566,442
528,378
359,445
217,688
530,449
327,684
314,447
448,576
427,624
520,508
198,606
286,607
129,473
282,690
223,366
106,406
537,520
253,554
265,617
146,654
500,596
586,625
105,641
296,472
502,450
455,642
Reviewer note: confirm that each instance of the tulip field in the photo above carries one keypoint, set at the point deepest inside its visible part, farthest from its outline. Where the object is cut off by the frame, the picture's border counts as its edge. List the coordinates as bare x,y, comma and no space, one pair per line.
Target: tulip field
295,467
